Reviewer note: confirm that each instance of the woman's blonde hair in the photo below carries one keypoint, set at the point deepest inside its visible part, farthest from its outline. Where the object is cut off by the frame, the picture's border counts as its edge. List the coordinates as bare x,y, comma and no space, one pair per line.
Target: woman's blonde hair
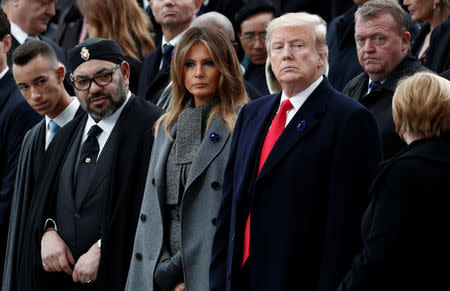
230,92
421,105
120,20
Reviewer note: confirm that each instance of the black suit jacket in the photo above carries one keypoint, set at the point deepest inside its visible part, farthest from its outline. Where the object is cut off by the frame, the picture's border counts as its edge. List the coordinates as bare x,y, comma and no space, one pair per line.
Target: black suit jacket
379,101
151,80
307,201
16,118
125,184
403,230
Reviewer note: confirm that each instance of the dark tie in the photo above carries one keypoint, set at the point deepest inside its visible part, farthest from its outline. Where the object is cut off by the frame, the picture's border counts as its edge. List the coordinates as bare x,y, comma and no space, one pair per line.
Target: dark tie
166,57
276,128
54,127
88,159
373,86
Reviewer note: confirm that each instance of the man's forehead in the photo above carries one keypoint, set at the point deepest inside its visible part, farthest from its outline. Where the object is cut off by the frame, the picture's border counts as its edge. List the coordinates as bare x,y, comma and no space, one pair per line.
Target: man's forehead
92,67
291,33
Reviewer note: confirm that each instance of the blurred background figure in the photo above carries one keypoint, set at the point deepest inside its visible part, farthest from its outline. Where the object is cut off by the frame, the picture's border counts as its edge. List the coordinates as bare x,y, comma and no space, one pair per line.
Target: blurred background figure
175,17
432,44
403,229
125,22
251,21
178,215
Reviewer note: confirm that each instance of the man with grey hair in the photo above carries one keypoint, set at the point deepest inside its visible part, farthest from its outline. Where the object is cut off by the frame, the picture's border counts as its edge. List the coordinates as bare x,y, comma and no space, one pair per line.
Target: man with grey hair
382,43
300,163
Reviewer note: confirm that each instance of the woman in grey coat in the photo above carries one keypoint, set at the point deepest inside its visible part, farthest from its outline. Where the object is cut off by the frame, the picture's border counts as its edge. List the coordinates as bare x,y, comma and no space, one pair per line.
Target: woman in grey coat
172,247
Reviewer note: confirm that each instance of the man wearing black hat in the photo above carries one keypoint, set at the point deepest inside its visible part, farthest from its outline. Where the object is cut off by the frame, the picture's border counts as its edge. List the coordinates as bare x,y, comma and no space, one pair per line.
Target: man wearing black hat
251,21
82,226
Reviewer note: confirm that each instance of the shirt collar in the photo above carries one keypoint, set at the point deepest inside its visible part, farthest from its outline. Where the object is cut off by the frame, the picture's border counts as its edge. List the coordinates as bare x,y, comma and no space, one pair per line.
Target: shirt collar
173,41
67,115
107,124
298,99
18,33
3,73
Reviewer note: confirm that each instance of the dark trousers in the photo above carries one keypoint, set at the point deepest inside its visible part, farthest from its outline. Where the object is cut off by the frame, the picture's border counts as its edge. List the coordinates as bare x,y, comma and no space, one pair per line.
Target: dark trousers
242,281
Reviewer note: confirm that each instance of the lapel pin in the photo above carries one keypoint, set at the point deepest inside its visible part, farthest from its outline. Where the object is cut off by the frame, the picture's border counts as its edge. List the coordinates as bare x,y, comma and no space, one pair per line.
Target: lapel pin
301,126
214,137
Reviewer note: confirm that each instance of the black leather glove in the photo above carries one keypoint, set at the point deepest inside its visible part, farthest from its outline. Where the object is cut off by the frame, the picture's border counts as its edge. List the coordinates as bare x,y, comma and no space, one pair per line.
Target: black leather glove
169,273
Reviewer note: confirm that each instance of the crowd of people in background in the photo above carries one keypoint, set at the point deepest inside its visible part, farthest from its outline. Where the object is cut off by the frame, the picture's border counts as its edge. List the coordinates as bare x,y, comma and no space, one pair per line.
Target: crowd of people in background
224,145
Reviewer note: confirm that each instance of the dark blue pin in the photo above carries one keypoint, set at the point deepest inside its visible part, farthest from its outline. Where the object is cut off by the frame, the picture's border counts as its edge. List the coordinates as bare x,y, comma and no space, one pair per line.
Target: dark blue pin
301,126
214,137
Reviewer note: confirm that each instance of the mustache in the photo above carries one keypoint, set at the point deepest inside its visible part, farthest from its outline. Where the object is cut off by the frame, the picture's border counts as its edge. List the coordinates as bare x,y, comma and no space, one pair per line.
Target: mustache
98,95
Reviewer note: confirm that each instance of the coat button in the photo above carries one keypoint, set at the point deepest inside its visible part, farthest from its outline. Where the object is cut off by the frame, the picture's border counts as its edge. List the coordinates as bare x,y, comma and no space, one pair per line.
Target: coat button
215,185
213,221
232,237
138,257
153,182
228,275
77,216
143,217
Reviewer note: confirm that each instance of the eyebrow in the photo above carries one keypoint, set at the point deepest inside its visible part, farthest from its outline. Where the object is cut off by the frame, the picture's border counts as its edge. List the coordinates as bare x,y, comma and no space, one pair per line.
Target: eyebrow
38,78
95,74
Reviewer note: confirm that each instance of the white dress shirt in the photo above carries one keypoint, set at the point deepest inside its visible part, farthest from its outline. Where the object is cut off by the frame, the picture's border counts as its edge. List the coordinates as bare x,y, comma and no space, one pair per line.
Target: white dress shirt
18,33
3,73
107,125
62,119
298,99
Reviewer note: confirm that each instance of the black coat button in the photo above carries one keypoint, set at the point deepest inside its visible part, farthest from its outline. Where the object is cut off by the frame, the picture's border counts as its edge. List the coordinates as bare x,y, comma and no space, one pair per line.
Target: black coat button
138,257
215,185
153,182
143,217
77,216
213,221
228,276
232,237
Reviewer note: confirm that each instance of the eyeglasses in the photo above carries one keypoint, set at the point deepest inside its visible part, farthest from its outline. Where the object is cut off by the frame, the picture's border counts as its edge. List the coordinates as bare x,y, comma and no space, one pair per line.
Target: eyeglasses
251,38
103,79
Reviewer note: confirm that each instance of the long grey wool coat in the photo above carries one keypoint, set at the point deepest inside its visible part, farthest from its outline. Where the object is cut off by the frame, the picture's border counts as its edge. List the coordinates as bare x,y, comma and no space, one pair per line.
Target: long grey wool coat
199,208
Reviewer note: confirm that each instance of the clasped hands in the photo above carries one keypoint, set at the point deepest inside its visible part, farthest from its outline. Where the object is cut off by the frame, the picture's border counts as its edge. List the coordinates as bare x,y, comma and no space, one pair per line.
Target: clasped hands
57,257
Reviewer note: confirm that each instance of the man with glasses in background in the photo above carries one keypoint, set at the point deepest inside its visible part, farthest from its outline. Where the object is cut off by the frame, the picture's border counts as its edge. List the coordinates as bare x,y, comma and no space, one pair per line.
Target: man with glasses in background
251,22
82,227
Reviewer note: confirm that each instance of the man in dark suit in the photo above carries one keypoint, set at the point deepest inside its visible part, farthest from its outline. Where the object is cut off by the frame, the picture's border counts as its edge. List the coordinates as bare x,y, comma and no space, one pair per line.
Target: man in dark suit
91,196
16,118
29,19
382,43
174,18
300,166
40,77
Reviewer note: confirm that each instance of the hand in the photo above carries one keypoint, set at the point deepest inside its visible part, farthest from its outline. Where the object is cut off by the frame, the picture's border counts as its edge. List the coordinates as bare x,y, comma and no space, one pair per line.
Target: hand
86,267
180,287
55,254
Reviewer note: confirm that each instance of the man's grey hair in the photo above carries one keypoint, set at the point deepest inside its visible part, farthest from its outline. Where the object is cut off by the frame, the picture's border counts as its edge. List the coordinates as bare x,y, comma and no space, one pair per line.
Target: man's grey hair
314,22
374,8
217,20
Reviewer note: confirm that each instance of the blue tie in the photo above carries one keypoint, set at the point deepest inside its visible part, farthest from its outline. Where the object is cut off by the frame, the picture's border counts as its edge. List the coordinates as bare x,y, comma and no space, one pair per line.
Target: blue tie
166,57
30,38
53,128
373,86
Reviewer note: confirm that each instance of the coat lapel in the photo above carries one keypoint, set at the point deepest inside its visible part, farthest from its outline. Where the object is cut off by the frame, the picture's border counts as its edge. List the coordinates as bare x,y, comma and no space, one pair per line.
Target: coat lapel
162,146
212,144
303,122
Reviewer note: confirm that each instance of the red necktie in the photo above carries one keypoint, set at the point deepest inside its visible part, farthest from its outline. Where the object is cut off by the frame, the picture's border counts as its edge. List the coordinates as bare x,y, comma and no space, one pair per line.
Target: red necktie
276,128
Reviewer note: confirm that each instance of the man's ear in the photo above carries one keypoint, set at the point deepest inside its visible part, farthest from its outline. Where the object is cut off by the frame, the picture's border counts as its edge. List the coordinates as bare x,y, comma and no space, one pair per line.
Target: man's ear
406,37
60,72
7,41
125,68
198,5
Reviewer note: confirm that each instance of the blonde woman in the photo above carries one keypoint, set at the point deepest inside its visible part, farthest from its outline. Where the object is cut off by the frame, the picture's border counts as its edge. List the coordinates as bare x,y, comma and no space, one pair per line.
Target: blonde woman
404,228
